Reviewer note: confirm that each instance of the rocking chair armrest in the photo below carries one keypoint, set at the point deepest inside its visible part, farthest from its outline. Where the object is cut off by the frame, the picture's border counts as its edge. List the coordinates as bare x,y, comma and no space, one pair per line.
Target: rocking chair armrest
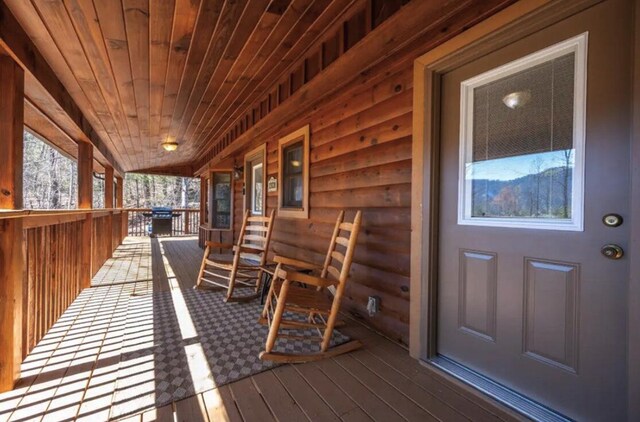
247,249
219,245
295,263
305,278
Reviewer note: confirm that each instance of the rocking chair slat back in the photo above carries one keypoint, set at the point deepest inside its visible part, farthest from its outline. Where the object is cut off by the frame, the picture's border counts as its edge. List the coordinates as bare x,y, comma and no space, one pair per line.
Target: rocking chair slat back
320,309
255,233
245,268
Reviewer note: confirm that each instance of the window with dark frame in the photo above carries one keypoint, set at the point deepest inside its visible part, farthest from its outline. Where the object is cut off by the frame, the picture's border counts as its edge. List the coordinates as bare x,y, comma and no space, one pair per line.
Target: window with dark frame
292,175
221,200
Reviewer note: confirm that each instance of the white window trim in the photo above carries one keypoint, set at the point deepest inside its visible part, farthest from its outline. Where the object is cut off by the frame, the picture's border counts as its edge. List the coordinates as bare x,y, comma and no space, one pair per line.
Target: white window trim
577,45
259,167
259,153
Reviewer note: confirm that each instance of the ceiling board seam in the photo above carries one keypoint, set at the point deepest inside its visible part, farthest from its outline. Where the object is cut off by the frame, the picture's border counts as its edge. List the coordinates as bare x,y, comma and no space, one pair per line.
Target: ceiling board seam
145,153
209,115
121,84
215,131
184,129
222,54
74,74
212,137
184,132
200,68
166,70
135,97
175,55
93,71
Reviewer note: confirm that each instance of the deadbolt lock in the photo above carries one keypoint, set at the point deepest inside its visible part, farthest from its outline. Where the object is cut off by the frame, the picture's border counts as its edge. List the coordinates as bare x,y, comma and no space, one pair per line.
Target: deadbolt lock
612,220
612,251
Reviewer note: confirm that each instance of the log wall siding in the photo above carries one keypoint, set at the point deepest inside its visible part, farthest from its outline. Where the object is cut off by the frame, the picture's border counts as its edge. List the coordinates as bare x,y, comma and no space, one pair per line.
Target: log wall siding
360,154
51,277
360,158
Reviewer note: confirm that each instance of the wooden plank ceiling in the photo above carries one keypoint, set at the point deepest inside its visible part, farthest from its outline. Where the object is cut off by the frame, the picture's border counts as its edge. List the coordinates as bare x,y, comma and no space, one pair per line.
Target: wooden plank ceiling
144,71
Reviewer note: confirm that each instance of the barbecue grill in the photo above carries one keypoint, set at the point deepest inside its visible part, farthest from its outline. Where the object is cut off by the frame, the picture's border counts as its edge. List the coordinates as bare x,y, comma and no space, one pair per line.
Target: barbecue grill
161,221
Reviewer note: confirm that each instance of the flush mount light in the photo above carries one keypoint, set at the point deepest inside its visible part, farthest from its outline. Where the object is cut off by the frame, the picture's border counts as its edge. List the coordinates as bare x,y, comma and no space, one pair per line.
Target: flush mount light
295,163
170,145
517,99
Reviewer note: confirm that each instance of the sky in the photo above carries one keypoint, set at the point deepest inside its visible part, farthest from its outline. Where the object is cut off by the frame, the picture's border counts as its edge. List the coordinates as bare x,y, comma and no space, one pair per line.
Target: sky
511,168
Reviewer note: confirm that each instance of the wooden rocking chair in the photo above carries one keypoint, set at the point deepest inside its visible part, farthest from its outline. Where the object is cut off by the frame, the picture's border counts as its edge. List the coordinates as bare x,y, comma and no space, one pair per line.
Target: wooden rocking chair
243,269
309,297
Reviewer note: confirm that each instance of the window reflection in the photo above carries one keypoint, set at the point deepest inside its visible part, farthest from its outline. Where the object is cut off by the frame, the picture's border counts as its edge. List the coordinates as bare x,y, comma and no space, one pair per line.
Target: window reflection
525,186
292,176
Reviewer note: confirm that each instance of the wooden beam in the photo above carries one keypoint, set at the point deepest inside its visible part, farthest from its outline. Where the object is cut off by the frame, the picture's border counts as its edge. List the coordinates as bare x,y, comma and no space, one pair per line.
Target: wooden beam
85,202
85,176
108,203
203,199
11,129
15,41
108,187
120,192
11,231
184,170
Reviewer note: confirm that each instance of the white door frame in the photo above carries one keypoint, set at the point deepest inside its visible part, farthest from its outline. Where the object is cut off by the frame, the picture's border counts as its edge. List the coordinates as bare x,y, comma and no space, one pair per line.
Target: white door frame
513,23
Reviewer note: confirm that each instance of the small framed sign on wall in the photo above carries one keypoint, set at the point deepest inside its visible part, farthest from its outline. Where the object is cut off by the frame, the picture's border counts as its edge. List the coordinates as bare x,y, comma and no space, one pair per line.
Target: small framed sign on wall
272,184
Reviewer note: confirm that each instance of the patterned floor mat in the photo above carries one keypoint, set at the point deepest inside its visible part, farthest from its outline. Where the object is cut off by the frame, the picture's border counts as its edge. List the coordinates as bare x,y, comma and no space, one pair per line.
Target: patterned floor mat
190,341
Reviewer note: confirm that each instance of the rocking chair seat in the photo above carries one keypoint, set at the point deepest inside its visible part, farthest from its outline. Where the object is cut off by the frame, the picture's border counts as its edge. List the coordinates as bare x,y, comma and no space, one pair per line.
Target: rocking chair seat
225,261
305,300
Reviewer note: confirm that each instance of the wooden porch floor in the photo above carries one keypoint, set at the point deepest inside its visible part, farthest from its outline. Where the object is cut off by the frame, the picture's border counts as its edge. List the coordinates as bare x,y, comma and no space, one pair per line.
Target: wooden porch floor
76,372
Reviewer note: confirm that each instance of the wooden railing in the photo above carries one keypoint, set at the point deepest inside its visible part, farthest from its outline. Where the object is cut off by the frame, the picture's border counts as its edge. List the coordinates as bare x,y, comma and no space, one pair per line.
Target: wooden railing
62,251
187,223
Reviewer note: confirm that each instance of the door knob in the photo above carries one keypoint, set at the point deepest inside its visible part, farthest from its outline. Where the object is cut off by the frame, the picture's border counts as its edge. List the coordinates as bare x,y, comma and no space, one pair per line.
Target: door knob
612,251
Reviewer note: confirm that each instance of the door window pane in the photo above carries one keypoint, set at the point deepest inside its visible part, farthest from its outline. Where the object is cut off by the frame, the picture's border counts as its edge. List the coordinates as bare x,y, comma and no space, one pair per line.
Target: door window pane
521,153
292,176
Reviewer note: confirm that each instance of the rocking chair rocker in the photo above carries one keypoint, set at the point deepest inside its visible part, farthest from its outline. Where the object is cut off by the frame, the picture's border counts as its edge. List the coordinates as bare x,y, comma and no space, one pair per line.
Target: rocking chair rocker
243,268
309,298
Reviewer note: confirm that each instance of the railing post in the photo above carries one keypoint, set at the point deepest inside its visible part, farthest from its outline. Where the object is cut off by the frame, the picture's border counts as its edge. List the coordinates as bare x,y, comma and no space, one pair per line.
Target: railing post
124,219
186,222
203,199
108,203
11,233
85,202
108,187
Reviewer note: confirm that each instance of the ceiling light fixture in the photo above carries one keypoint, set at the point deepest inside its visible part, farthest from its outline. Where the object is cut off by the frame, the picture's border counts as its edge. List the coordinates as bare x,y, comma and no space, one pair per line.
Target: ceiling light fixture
170,145
517,99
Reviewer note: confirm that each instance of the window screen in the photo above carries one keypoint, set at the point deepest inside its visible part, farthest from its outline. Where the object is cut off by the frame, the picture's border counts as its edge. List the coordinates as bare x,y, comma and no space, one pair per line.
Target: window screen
526,113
